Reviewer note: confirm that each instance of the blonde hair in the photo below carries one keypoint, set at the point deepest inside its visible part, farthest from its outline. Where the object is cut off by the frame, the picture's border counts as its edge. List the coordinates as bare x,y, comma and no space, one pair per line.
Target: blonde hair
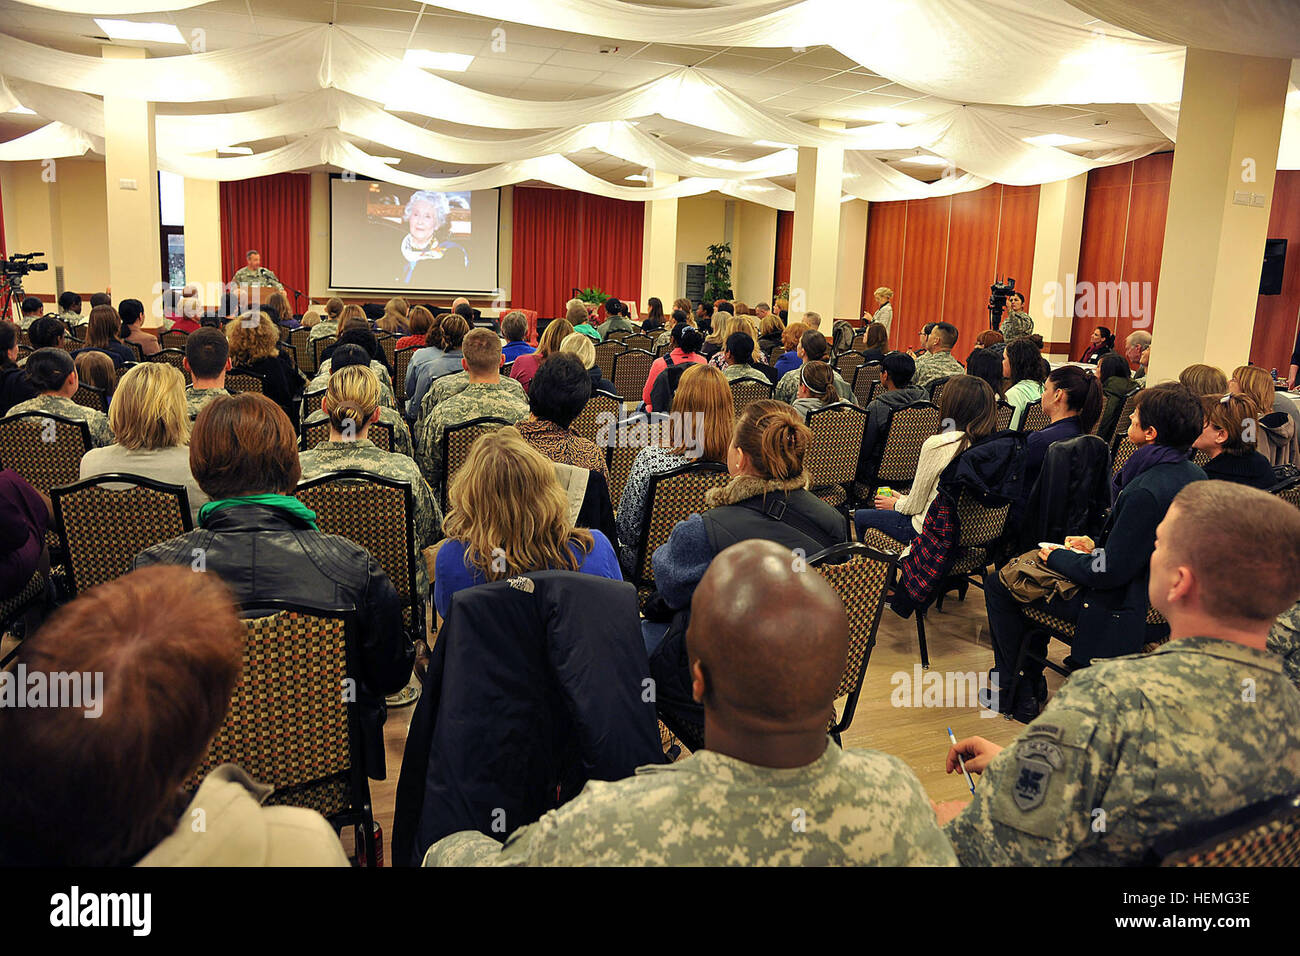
352,395
553,337
722,325
251,342
334,308
506,505
310,319
353,311
148,409
771,323
394,317
1204,380
279,303
96,368
581,346
884,292
1257,385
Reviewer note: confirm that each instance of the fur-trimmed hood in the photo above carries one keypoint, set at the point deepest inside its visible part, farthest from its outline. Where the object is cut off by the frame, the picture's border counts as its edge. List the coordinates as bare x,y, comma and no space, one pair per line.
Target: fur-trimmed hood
743,487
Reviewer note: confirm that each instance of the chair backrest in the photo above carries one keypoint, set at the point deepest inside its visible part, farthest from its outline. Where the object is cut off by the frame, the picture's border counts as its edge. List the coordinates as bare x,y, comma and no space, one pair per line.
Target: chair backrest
1034,417
860,576
381,433
832,455
309,403
174,358
866,378
456,443
631,369
1289,493
618,335
1123,452
90,396
105,521
375,512
45,449
848,363
605,353
291,723
747,391
860,340
244,380
936,389
136,348
1004,413
602,409
672,497
1265,834
639,340
388,342
401,363
317,347
980,528
909,427
1125,415
619,460
173,339
299,339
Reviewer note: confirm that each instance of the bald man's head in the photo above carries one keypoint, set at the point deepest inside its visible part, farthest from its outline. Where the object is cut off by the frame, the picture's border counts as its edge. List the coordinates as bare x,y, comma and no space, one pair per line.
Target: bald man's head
461,300
767,643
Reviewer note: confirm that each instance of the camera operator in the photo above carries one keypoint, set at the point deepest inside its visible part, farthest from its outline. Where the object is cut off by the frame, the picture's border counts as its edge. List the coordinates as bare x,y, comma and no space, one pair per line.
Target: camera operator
1017,323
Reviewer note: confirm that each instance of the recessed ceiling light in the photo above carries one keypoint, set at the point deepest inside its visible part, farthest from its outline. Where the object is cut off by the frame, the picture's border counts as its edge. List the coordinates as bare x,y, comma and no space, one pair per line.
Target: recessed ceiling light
890,115
135,30
23,111
236,150
433,60
1053,139
637,178
924,159
769,143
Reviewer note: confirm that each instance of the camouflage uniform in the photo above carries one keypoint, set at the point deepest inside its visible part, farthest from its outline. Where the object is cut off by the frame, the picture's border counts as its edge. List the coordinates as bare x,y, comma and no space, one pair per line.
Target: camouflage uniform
100,432
363,455
849,807
196,398
1284,640
323,374
1133,749
74,319
259,276
322,380
736,372
935,365
787,389
446,386
389,416
1017,325
475,401
323,330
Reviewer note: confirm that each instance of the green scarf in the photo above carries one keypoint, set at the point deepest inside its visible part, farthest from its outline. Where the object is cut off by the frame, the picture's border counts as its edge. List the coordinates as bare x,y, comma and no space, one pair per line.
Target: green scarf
283,502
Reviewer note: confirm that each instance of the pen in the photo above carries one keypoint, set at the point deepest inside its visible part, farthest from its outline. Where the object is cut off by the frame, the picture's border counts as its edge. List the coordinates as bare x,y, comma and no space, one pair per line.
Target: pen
969,782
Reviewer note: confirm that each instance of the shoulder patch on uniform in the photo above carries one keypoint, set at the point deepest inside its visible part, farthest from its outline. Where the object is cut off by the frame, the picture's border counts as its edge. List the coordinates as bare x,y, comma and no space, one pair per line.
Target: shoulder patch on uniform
1036,760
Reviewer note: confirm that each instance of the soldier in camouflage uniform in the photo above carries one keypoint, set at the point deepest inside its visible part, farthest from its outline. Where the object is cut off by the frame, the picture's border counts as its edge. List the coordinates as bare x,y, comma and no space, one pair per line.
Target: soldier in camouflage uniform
938,362
207,359
351,354
774,791
812,347
1284,641
254,273
196,398
1017,324
1136,748
362,454
388,416
54,376
486,395
448,385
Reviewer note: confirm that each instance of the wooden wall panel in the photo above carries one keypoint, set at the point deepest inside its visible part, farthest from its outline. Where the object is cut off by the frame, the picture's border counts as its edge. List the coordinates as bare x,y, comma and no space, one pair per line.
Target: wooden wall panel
1017,228
1101,251
1276,315
784,247
925,263
972,256
886,227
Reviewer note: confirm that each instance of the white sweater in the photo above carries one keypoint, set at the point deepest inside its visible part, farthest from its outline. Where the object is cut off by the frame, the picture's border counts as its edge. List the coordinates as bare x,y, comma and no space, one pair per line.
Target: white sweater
936,454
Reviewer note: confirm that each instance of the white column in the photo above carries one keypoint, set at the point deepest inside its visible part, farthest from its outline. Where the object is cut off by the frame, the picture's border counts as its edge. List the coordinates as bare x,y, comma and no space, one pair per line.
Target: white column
659,247
1049,298
203,237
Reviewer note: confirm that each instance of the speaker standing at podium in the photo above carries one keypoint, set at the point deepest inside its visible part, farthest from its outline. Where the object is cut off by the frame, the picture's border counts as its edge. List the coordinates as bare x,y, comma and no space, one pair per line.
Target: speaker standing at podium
255,273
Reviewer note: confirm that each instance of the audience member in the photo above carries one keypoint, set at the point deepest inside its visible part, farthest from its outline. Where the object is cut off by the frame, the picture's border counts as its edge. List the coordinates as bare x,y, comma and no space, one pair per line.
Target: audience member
991,339
1137,349
14,387
877,342
53,376
282,311
1258,384
687,342
353,335
96,369
925,340
895,391
1277,434
770,330
677,317
515,327
1116,385
207,358
580,316
419,321
1204,380
549,342
1229,439
582,346
1072,403
560,390
32,309
1102,341
508,516
70,310
816,388
165,671
1022,368
1157,743
152,428
654,319
968,409
485,396
102,333
616,321
429,364
329,325
789,359
354,356
132,313
1109,607
394,319
25,516
47,332
812,348
767,648
985,363
938,361
738,361
255,348
265,545
702,417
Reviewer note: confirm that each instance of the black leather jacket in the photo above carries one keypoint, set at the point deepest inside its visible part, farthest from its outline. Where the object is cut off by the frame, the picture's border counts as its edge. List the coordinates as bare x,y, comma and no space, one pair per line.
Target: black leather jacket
265,554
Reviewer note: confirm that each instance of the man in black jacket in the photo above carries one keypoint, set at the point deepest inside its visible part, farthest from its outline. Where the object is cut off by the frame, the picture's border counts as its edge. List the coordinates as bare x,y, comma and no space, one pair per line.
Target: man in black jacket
264,544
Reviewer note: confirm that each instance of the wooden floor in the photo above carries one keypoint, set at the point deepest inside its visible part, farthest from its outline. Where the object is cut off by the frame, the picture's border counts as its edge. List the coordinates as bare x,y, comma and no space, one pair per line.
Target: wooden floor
917,735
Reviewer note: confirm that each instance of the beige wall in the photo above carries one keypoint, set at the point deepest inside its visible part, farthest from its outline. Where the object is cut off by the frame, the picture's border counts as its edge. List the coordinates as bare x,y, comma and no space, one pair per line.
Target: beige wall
852,261
701,221
753,256
66,218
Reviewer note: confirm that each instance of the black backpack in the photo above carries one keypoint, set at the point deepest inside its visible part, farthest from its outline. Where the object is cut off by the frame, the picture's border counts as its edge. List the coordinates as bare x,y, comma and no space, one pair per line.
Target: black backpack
665,387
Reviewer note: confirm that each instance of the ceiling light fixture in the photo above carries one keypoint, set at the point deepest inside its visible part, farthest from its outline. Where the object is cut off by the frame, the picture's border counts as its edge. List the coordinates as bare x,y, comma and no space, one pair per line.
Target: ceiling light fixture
1053,139
236,150
637,178
924,159
135,30
433,60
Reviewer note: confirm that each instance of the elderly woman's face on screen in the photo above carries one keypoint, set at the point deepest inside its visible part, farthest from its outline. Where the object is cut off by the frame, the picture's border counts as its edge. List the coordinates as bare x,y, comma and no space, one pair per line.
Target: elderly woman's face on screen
424,221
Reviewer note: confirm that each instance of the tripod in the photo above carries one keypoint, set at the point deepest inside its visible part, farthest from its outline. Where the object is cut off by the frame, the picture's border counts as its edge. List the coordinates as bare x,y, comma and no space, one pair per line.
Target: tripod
12,297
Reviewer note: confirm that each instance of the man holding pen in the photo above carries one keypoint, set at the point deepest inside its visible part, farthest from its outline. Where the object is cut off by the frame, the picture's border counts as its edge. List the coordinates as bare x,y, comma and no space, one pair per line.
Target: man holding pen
1136,748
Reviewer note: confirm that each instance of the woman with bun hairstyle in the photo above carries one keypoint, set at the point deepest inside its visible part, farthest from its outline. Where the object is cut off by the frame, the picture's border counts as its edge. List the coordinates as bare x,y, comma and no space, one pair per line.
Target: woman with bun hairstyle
816,388
52,374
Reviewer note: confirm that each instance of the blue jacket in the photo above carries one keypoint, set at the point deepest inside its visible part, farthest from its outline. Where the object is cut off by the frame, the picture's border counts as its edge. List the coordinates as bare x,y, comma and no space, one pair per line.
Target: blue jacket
1037,444
512,350
1112,620
426,365
786,363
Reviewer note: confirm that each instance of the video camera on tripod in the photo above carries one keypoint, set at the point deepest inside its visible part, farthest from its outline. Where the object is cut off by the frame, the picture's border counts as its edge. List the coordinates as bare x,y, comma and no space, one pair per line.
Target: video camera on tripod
12,271
998,293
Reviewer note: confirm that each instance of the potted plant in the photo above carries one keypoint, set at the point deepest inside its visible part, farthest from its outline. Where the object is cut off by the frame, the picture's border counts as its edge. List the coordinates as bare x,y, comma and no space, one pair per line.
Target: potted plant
717,272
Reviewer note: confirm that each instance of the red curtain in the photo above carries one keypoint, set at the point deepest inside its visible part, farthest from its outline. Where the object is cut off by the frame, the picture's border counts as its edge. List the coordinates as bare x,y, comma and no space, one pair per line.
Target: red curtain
269,214
565,240
784,248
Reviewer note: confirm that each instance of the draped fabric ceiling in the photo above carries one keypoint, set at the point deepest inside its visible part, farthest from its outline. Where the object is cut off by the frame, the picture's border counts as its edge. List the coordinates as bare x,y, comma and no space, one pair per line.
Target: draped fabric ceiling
342,89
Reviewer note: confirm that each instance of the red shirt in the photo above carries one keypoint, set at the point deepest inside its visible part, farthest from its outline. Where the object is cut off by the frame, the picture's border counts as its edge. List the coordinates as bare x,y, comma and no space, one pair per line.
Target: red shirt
678,357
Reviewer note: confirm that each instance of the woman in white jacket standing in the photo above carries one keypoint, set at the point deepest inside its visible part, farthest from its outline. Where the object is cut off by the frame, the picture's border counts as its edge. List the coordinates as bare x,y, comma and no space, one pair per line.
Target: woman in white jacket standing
884,313
968,411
